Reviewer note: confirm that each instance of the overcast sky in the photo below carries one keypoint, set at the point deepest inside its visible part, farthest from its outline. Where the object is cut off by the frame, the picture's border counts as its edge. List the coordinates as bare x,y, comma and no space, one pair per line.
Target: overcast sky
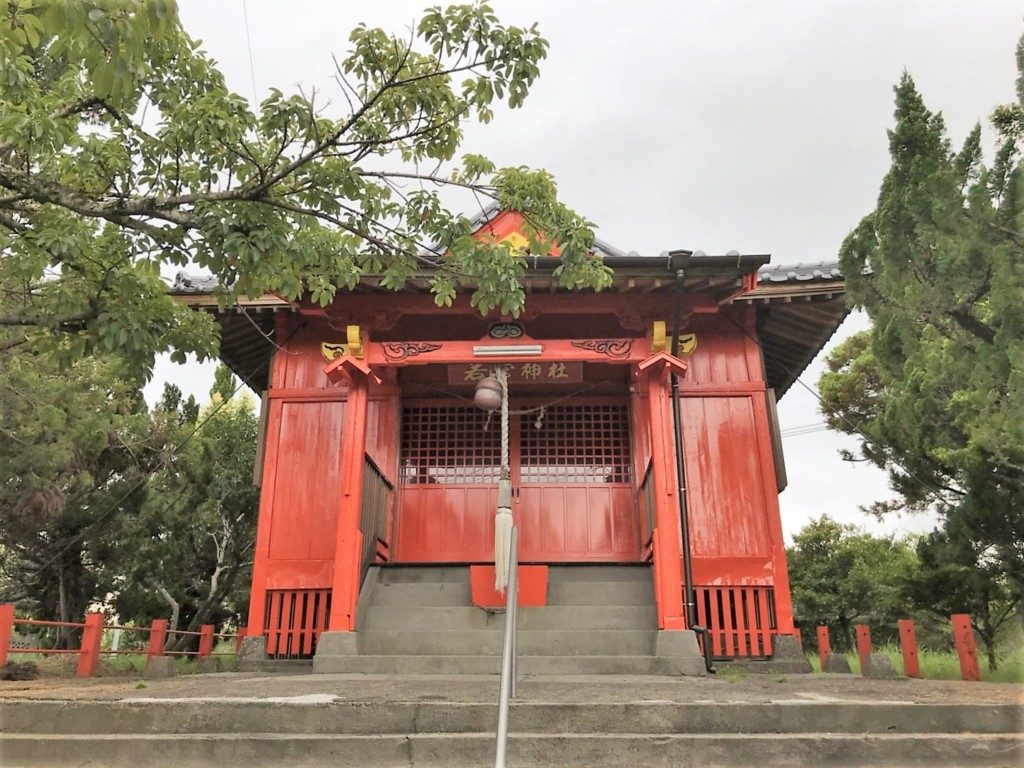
703,125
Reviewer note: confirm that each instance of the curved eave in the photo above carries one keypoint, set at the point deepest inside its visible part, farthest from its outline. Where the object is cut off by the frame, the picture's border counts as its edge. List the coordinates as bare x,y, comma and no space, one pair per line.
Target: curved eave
794,322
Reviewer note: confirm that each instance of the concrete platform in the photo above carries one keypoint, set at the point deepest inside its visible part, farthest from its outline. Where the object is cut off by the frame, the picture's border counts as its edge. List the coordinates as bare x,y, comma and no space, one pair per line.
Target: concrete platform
235,719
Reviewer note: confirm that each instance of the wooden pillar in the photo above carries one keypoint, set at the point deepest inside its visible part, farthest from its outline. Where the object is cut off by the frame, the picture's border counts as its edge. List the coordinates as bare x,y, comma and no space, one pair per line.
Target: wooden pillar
863,646
908,647
349,540
780,568
205,641
966,652
666,545
824,647
89,653
157,638
6,630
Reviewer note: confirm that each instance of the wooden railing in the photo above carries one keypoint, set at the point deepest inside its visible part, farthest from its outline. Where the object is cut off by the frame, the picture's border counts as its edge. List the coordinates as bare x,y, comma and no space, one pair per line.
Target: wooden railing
646,496
740,620
378,493
93,631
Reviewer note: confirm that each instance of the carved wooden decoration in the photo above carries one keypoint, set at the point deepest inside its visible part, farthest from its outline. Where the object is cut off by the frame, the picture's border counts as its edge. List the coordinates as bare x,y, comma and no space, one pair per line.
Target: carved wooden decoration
400,350
610,347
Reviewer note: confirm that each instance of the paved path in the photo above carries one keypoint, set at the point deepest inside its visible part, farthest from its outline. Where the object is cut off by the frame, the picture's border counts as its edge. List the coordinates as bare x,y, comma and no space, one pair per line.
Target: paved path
752,688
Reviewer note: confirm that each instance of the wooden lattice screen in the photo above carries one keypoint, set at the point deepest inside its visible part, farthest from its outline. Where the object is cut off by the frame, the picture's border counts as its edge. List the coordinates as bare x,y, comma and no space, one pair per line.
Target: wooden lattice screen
585,443
294,620
450,445
740,620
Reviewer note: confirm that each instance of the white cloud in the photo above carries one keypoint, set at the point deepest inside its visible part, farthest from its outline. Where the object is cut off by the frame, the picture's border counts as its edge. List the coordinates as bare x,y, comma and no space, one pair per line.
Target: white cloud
704,125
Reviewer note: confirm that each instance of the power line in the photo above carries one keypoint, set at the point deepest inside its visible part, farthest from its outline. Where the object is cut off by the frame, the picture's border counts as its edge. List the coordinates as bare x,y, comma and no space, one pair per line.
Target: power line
934,489
252,69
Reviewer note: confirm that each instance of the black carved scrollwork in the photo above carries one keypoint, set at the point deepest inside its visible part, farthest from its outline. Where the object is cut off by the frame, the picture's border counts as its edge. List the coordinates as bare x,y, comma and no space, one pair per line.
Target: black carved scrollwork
505,331
617,348
400,350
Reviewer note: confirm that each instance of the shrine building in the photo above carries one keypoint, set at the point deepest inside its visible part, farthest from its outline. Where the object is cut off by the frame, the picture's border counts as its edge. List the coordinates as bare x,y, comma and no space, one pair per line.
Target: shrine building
379,474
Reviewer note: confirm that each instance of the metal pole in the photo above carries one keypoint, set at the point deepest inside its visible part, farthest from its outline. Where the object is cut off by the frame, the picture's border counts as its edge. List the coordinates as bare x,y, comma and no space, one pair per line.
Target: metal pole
677,429
514,583
506,691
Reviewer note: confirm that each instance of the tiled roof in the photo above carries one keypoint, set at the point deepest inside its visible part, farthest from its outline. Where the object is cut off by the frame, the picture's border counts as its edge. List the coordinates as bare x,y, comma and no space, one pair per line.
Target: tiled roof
189,284
185,284
799,273
491,210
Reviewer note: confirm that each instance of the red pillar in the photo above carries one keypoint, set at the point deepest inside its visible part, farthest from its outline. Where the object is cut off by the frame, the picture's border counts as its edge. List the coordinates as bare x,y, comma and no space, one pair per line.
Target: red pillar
966,652
863,645
89,654
6,630
666,544
157,638
205,641
908,647
239,640
261,552
349,540
780,567
824,646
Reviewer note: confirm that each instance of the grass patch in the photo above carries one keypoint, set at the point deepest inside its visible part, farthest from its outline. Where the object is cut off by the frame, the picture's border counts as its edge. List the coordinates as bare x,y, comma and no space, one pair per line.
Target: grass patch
120,665
944,665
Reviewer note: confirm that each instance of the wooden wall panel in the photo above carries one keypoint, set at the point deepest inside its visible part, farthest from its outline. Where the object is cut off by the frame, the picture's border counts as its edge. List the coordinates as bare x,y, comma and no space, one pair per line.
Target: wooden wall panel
382,434
724,353
300,365
728,508
578,523
305,489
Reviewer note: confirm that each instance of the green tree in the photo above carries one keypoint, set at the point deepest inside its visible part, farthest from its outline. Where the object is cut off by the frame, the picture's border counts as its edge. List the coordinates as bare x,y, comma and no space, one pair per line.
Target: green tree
841,576
936,387
957,578
187,553
76,446
123,152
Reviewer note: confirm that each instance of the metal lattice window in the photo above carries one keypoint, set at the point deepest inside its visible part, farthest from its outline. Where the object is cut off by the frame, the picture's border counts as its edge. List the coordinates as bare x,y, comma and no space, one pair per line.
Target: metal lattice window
577,444
450,446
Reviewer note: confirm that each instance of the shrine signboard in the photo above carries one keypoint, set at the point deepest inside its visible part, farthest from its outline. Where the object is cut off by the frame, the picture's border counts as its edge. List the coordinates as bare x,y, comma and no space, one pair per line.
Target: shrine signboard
531,372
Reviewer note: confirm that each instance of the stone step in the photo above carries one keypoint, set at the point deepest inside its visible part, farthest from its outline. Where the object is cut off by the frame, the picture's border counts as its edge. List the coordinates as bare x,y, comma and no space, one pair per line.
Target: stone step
276,666
300,715
596,593
562,573
246,750
449,664
424,574
579,617
601,593
418,574
415,594
536,642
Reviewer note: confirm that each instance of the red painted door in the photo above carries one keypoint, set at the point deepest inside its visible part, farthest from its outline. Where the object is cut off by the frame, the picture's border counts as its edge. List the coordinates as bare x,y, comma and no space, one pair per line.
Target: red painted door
570,465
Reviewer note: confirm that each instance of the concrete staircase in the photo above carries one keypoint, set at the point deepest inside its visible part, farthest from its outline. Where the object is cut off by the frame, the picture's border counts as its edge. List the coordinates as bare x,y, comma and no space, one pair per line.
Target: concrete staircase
420,620
313,731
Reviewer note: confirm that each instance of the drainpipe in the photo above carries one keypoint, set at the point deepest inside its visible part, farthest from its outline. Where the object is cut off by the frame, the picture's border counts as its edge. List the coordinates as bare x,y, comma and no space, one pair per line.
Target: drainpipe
677,429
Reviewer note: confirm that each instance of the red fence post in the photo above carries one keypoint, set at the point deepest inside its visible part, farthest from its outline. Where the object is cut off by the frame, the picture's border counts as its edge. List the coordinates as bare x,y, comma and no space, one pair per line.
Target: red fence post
89,653
863,646
205,641
824,647
239,640
6,629
908,647
963,636
157,639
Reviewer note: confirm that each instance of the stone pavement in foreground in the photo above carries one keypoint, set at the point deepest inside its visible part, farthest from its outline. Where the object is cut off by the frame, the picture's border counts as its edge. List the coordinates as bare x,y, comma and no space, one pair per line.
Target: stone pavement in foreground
751,688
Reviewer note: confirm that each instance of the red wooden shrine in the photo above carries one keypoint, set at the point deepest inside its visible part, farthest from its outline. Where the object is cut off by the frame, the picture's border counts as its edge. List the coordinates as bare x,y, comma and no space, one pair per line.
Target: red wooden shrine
373,452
